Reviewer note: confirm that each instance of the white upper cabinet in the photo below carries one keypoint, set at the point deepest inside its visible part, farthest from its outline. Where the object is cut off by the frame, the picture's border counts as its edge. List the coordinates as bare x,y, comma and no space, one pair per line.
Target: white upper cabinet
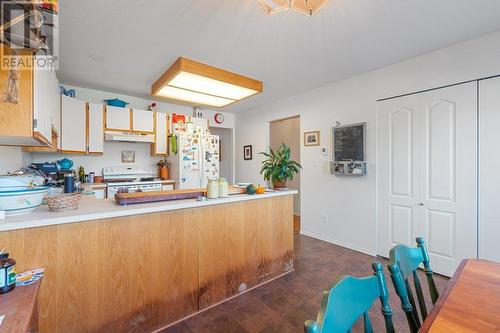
43,105
160,145
117,119
142,121
96,128
73,129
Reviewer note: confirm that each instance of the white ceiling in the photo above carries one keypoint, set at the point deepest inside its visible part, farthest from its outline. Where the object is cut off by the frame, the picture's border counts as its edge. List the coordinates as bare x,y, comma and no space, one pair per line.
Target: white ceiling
125,45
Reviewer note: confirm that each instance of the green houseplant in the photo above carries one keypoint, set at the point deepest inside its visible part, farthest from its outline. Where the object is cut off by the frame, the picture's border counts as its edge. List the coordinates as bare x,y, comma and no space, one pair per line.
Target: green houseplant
278,167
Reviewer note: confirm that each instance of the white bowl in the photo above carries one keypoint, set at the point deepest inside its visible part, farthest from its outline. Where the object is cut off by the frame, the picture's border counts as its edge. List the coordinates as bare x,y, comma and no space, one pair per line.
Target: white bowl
19,200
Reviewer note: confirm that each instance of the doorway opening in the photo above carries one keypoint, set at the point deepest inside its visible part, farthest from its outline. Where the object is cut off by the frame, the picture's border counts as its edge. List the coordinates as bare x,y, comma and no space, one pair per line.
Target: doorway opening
225,152
287,131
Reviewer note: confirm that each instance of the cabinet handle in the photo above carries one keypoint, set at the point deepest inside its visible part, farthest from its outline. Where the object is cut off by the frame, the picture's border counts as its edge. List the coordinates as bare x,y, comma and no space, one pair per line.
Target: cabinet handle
421,204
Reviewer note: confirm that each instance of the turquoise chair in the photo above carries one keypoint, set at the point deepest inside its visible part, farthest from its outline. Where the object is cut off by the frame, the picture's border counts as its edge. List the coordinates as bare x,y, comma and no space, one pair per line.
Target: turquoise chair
348,300
403,262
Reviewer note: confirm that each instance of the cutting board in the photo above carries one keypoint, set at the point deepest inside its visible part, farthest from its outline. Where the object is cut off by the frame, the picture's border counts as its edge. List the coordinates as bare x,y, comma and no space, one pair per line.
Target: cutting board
143,197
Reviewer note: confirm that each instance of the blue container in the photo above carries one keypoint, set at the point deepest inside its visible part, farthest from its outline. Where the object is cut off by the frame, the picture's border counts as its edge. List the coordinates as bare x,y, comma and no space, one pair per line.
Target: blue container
116,102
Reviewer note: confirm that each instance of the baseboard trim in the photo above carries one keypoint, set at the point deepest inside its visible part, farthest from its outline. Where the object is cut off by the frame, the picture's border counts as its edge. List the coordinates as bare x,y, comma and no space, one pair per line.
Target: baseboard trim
339,243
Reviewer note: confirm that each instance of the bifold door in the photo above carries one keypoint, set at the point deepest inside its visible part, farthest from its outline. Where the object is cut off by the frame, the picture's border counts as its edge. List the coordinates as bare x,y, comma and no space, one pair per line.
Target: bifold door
426,174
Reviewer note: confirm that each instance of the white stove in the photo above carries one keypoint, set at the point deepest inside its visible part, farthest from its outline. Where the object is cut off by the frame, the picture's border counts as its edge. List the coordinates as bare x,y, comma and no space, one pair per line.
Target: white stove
131,179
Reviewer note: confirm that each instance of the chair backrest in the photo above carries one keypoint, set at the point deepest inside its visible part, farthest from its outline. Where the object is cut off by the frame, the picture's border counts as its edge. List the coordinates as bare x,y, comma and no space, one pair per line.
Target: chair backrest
348,300
403,263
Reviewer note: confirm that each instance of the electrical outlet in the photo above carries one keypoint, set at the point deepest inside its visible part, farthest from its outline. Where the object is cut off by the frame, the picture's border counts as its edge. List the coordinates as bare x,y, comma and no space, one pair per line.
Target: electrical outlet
324,218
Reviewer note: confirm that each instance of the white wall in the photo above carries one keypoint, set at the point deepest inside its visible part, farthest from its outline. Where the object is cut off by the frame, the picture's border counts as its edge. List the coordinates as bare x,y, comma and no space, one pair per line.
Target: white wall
12,159
350,202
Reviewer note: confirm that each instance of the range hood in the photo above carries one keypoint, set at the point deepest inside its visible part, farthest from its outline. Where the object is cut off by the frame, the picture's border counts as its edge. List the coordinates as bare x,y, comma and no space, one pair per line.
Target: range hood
129,137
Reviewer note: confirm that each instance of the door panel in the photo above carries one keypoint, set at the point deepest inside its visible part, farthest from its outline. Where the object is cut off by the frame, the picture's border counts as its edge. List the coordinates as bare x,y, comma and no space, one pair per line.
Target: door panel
449,157
426,174
489,174
401,157
396,168
96,128
441,151
401,218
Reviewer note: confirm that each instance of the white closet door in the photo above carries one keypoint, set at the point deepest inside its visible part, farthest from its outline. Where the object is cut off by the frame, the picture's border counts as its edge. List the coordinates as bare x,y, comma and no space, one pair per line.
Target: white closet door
96,128
398,191
489,169
449,175
426,174
73,119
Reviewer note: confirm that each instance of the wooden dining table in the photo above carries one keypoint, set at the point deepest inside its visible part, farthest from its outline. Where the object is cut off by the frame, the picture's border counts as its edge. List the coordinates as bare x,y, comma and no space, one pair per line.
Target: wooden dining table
470,301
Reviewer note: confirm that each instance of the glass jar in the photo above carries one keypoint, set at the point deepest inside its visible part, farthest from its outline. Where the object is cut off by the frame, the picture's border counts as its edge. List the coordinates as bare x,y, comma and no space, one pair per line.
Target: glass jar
223,188
7,273
212,189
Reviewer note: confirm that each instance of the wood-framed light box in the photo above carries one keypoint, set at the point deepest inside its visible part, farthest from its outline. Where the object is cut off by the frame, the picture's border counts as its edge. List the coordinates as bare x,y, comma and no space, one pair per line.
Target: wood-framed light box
311,138
194,83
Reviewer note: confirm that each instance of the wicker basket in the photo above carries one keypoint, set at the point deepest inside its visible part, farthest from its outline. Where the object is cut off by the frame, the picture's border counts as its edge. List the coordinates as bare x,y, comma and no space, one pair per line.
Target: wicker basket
64,202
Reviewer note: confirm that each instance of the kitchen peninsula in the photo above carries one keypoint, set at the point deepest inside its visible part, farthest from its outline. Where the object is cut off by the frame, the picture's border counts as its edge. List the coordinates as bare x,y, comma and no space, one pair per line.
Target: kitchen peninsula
142,267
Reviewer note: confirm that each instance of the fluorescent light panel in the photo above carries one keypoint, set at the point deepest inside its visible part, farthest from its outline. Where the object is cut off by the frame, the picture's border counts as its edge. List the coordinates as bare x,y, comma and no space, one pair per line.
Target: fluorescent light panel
197,84
193,97
205,85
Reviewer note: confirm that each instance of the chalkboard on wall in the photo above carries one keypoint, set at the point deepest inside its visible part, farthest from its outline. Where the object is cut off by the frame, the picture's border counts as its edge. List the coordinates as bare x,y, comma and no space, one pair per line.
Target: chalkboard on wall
349,142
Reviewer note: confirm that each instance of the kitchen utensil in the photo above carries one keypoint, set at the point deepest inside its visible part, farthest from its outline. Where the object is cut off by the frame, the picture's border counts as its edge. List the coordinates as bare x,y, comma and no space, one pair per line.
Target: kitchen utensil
143,197
21,199
65,164
69,183
98,179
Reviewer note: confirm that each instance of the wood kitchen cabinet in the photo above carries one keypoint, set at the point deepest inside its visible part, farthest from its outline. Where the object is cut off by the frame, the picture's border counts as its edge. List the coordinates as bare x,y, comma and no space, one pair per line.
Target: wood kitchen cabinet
27,122
159,147
142,121
95,129
118,119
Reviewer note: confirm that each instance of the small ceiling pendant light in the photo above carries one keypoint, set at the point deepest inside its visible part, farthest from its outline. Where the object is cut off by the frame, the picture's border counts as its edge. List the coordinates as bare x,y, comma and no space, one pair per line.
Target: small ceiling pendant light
306,7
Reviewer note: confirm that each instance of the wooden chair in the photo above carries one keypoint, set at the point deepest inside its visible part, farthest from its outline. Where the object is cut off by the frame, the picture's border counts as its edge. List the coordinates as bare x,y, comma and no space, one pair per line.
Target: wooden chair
348,300
404,261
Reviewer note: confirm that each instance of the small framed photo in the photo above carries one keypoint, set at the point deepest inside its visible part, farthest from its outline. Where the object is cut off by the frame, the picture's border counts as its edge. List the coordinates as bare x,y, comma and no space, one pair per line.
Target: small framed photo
247,152
311,138
128,156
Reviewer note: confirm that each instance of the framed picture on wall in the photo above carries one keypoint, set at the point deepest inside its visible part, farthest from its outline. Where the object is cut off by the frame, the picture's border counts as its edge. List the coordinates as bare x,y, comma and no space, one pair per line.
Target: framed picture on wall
247,152
128,156
311,138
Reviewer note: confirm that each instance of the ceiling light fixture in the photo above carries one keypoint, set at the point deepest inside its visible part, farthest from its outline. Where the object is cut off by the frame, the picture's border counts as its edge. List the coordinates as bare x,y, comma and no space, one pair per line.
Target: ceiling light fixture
306,7
191,82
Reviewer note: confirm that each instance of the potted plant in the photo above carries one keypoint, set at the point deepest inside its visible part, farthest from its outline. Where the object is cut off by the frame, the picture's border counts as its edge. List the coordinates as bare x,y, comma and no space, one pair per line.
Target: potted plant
278,168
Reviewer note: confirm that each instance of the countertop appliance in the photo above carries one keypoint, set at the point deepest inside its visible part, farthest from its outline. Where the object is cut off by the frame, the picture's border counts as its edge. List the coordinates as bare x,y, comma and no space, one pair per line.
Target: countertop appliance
197,160
122,179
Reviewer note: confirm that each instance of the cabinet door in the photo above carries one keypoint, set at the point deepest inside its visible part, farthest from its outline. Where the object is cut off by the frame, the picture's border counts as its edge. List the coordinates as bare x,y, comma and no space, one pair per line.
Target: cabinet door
117,119
489,166
96,128
160,145
73,121
55,101
42,112
142,121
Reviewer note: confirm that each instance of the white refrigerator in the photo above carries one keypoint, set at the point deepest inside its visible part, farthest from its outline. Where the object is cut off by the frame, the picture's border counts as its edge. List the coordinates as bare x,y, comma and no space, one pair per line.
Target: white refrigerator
196,161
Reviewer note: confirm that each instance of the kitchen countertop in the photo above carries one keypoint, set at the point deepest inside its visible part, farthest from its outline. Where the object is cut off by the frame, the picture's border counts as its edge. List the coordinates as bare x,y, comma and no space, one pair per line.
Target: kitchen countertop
95,209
